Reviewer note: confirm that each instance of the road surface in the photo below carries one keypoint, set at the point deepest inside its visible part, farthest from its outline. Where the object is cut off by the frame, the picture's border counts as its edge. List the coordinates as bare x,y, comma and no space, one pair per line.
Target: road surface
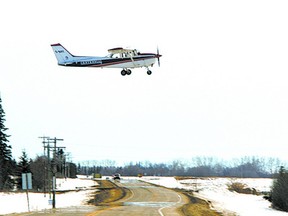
146,199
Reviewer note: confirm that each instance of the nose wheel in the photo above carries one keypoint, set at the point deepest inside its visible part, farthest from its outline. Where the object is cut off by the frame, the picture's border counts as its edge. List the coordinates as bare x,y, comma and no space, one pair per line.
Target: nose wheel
149,72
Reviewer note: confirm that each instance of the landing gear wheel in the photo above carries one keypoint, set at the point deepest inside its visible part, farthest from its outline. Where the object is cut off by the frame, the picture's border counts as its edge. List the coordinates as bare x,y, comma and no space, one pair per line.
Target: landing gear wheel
149,72
128,72
123,72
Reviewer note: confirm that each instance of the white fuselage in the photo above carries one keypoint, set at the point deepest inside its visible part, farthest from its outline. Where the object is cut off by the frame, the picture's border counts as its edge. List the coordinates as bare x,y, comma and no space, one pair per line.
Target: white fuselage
118,58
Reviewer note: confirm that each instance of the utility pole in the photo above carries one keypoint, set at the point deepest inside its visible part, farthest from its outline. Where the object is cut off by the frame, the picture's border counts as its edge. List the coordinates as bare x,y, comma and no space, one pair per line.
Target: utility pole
54,170
47,167
51,168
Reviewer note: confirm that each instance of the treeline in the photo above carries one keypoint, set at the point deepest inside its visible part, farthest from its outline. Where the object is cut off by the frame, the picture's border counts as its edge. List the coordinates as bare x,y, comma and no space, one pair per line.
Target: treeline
41,169
246,167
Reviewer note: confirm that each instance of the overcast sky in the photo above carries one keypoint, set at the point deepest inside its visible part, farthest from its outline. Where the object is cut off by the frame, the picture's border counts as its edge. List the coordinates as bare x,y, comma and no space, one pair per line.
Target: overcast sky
221,89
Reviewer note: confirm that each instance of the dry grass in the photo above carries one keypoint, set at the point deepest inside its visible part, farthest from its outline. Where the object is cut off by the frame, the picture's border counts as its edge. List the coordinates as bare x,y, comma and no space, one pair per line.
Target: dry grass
108,193
196,206
241,188
199,209
178,178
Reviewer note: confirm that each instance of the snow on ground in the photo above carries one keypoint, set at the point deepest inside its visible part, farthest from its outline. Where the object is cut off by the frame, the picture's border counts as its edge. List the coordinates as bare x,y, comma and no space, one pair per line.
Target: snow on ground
216,191
79,191
212,189
82,182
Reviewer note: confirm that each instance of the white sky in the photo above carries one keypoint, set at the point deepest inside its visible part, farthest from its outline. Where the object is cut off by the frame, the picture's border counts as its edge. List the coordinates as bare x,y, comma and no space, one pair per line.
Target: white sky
221,89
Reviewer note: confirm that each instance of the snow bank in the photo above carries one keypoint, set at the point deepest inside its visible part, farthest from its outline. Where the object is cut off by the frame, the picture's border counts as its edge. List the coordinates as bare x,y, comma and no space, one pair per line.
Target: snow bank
80,189
216,191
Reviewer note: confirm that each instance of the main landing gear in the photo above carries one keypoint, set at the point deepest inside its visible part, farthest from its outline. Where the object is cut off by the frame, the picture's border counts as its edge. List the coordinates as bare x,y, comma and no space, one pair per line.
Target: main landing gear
128,72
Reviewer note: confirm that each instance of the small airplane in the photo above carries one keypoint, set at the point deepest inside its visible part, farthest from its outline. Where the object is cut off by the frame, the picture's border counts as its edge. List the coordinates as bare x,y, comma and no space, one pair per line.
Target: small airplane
117,58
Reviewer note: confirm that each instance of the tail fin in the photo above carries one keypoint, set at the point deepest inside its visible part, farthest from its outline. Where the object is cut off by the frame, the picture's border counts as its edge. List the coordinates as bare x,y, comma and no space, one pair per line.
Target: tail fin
63,56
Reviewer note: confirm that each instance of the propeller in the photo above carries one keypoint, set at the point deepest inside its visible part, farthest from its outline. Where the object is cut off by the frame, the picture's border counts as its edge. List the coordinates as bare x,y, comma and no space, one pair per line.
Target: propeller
158,56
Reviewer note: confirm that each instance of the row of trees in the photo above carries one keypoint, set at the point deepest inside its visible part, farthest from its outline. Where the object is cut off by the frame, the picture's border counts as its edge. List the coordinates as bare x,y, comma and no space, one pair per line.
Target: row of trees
41,169
254,167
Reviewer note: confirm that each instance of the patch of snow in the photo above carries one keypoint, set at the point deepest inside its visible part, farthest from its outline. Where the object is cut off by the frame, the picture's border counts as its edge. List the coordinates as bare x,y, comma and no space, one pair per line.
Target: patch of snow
39,201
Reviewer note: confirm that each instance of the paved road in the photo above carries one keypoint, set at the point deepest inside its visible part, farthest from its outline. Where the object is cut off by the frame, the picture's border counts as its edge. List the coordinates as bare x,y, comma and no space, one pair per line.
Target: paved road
146,199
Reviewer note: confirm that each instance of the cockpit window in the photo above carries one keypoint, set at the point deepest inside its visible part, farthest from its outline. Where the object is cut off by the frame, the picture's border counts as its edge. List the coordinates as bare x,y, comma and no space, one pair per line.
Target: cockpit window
128,54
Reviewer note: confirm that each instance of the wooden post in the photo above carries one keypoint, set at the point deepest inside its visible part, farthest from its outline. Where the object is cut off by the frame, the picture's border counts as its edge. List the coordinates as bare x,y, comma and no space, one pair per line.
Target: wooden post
27,192
53,192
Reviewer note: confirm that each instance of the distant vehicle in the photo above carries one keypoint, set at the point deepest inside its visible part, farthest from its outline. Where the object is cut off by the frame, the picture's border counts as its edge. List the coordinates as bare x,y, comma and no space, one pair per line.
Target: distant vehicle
116,176
97,175
117,58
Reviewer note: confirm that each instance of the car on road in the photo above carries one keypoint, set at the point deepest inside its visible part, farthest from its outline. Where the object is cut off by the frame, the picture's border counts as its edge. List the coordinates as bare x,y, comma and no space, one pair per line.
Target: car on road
116,176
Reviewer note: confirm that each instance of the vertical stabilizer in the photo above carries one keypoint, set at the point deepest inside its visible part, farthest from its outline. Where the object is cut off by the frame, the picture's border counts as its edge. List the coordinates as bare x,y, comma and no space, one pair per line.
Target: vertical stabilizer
63,56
